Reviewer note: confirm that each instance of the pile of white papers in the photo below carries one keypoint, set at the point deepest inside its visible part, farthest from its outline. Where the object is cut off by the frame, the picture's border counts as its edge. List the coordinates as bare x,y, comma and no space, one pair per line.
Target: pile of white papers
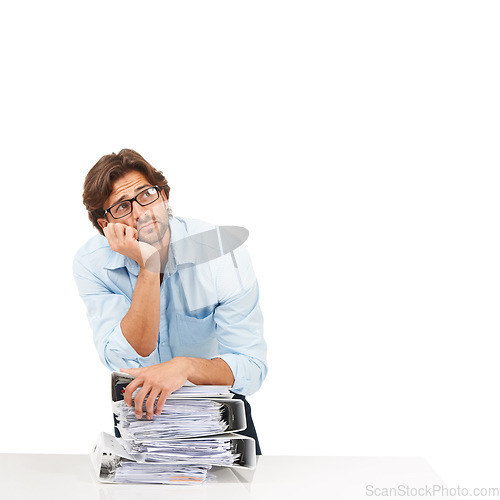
203,451
133,472
205,391
179,418
195,431
158,440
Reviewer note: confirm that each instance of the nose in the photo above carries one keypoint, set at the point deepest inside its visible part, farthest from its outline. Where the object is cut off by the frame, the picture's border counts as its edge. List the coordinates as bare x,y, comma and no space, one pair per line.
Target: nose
137,210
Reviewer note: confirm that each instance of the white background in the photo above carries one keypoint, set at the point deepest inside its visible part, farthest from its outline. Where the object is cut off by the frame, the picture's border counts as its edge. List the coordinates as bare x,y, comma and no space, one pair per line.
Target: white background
357,141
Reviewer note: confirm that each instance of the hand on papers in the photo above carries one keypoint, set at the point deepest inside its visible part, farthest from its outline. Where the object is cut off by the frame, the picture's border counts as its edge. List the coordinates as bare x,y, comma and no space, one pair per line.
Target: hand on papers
124,239
155,381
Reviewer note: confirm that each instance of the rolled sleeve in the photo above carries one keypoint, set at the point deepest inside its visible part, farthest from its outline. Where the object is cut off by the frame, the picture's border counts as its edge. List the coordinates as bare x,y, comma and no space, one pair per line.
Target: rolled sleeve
248,373
239,322
105,310
118,353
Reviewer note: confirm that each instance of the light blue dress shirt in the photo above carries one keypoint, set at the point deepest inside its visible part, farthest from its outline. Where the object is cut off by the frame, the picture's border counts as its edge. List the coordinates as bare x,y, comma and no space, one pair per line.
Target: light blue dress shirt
208,309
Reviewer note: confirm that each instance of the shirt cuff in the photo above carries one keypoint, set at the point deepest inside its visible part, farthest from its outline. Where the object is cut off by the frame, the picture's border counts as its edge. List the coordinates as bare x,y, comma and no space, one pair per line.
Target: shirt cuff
248,375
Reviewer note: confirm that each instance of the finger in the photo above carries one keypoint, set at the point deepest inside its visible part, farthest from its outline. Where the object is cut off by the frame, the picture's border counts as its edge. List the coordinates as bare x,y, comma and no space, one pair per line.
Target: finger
139,401
110,233
150,402
161,401
130,232
129,390
108,230
111,228
121,231
131,371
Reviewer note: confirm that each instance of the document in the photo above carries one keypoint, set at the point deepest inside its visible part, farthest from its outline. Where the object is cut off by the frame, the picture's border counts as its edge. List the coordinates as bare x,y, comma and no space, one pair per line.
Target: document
179,418
133,472
219,451
120,380
183,461
195,431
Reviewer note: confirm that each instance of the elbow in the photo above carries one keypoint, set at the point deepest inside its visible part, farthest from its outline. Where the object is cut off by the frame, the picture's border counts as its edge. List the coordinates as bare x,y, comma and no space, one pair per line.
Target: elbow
252,377
144,352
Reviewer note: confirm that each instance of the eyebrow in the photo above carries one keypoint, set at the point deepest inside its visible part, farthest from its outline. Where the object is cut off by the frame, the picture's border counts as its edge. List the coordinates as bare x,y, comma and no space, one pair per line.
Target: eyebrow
137,191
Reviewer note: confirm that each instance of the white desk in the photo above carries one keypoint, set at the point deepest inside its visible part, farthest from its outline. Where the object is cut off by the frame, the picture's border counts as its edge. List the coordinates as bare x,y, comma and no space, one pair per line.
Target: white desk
71,477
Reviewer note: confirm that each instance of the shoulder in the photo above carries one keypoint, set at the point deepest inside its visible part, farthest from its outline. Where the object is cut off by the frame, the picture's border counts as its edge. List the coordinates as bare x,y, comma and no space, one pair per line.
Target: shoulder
183,226
94,253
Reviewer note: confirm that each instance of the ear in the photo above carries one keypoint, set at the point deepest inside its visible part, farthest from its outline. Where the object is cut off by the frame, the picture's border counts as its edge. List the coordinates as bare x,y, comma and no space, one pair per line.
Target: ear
102,222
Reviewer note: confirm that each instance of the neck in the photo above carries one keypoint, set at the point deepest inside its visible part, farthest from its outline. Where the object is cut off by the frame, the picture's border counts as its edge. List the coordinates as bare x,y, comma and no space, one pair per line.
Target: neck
162,247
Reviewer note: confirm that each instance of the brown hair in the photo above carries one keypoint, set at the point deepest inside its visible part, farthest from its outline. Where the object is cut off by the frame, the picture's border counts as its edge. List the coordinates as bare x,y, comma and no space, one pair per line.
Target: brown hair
98,184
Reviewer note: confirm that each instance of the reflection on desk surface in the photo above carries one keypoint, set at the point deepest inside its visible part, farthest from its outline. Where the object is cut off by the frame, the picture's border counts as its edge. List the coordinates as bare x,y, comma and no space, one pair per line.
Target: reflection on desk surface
57,477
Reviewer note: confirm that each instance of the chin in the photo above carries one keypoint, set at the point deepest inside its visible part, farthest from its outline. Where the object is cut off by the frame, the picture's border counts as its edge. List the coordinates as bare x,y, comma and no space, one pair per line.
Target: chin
153,236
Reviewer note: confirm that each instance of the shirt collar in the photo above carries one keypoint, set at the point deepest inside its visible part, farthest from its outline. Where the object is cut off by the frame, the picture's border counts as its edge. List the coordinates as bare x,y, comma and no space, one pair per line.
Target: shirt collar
117,260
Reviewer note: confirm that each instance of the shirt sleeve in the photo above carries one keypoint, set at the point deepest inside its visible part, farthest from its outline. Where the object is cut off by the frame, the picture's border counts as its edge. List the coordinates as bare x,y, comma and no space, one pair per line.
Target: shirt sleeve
239,323
105,310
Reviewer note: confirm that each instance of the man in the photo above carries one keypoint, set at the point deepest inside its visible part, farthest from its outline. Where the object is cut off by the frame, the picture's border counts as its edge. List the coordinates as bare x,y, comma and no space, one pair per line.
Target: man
167,299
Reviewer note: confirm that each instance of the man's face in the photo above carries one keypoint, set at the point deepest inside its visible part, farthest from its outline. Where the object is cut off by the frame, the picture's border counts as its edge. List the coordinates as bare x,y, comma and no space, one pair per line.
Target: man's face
151,221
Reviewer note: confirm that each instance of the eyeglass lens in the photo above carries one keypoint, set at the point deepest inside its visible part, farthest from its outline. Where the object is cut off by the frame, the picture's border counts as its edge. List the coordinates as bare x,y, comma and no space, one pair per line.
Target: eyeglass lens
144,198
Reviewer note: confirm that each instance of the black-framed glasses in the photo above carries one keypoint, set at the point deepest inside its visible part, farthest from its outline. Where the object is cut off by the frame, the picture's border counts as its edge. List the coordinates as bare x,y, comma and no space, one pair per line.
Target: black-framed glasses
124,207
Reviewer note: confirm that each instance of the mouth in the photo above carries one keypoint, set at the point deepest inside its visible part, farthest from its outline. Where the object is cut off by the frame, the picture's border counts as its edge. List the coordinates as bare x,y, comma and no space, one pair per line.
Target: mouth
148,226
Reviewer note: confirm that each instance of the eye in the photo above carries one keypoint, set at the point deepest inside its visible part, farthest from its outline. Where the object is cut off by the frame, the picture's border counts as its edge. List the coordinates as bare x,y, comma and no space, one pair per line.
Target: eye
122,207
148,193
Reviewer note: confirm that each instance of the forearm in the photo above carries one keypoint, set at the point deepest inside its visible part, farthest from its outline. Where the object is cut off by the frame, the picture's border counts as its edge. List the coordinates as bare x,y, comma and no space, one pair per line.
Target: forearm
141,324
208,371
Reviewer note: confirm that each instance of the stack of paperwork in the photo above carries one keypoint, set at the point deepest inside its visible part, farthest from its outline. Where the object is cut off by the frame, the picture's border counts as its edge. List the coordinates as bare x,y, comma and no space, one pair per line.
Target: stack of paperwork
195,431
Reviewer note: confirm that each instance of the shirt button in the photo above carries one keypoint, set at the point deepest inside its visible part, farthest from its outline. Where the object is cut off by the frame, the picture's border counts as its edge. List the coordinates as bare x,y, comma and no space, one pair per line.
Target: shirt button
163,343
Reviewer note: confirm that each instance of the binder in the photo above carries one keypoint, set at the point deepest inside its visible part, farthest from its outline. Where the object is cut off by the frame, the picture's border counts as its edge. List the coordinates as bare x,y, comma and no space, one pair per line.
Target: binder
110,452
234,413
120,380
